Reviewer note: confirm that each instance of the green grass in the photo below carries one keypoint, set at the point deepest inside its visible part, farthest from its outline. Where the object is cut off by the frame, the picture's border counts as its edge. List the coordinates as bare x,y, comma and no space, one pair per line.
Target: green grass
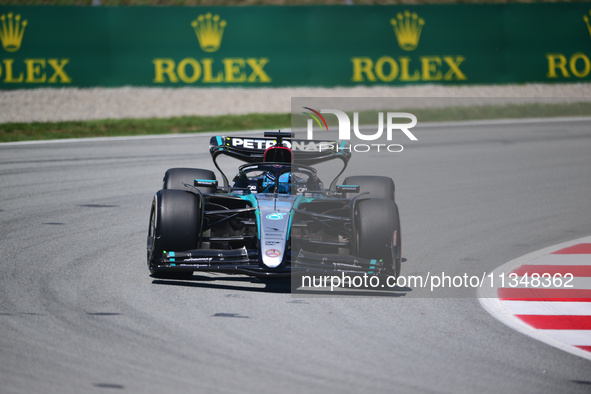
10,132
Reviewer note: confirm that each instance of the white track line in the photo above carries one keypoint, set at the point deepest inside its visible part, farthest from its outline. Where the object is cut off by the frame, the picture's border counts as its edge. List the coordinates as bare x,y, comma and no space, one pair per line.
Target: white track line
548,308
570,337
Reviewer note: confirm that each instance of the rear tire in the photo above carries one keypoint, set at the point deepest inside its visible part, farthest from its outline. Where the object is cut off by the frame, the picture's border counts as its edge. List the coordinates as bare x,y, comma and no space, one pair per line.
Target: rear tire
378,233
175,178
377,186
175,225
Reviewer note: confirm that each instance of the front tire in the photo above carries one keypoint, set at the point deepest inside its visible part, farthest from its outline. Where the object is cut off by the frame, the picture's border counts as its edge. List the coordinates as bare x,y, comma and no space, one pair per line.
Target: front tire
378,233
175,179
175,225
377,186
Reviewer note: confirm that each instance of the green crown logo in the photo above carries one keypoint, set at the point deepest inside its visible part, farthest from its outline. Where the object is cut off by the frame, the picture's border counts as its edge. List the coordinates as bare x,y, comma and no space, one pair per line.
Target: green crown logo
407,28
11,31
209,30
586,19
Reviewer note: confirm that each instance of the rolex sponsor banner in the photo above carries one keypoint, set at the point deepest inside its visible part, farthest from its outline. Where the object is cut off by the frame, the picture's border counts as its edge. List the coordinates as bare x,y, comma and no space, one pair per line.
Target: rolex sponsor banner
294,46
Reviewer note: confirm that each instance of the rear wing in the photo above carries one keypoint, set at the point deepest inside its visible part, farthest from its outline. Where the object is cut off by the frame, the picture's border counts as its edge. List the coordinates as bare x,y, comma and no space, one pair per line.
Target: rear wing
252,150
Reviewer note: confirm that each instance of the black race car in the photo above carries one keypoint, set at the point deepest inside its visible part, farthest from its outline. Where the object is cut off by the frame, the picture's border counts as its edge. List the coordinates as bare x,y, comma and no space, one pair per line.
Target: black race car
276,216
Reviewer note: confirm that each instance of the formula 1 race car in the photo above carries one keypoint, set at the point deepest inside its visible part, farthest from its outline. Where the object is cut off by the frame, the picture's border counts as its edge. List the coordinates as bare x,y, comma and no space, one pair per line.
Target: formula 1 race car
276,217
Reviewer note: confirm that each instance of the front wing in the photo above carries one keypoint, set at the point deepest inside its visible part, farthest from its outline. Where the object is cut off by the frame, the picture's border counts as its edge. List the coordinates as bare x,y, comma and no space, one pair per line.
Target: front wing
243,261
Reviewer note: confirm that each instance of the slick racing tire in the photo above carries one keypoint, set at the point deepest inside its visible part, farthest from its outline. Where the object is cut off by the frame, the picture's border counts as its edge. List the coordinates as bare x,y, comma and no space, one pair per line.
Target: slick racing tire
377,186
378,233
175,178
175,225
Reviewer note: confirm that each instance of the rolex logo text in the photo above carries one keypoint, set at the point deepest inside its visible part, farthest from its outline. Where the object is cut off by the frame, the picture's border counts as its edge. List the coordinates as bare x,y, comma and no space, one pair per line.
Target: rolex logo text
15,69
571,66
407,27
209,30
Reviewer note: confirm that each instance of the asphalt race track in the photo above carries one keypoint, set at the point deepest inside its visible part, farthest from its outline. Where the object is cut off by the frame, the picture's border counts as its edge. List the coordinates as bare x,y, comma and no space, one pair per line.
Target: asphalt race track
79,312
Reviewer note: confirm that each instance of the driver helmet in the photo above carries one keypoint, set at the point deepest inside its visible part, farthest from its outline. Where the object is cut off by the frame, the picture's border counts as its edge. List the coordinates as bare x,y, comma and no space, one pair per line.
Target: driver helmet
278,154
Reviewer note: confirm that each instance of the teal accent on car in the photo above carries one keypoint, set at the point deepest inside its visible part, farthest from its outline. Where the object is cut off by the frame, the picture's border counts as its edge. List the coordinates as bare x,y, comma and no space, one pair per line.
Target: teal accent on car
301,200
372,266
289,225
